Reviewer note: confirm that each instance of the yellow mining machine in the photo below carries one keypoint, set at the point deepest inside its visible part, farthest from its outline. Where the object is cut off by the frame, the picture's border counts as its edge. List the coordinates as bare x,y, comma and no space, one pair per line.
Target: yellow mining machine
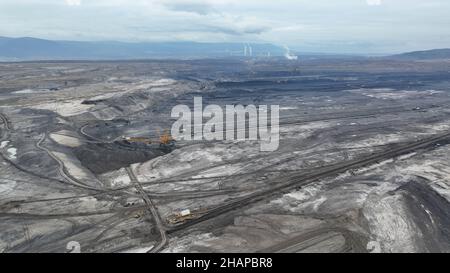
165,140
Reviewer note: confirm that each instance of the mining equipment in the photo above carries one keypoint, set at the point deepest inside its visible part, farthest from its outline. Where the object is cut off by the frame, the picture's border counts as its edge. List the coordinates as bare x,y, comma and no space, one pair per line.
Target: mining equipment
165,140
184,215
130,140
138,214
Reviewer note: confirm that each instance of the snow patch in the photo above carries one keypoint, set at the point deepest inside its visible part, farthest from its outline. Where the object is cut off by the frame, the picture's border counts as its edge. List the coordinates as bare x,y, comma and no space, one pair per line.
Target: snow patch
388,93
179,245
65,108
24,91
375,141
389,224
4,144
63,138
6,186
218,171
12,153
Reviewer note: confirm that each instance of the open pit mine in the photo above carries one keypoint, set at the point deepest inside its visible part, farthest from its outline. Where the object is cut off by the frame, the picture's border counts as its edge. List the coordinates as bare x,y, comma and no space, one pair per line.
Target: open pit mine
88,161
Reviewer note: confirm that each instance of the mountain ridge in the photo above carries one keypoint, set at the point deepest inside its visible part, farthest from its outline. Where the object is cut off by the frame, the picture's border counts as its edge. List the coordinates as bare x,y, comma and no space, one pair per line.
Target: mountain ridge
433,54
28,48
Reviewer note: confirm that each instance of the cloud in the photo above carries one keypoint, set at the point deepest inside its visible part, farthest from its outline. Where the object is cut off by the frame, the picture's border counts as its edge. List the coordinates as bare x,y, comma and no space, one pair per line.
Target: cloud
321,25
199,7
238,25
73,2
374,2
214,24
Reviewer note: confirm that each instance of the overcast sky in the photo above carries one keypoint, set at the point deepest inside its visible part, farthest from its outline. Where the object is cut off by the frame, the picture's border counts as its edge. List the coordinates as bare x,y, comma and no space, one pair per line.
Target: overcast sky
342,26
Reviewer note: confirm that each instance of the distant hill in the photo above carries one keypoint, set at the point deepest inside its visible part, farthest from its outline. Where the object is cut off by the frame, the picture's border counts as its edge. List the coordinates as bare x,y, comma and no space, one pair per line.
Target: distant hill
425,55
40,49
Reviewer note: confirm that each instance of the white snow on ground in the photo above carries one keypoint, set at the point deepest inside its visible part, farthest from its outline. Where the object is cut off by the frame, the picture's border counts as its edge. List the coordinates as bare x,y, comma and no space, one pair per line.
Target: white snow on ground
387,93
63,138
122,180
386,215
24,91
407,156
88,199
192,158
72,107
32,91
304,197
316,203
304,194
247,233
75,70
436,171
71,167
56,67
65,108
12,153
180,245
117,178
374,141
108,96
309,126
432,92
6,186
373,166
436,127
4,144
194,155
154,85
389,223
218,171
75,169
304,130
